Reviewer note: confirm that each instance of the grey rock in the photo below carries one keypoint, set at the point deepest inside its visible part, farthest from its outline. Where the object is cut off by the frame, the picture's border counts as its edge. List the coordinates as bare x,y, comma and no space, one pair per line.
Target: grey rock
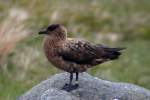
90,88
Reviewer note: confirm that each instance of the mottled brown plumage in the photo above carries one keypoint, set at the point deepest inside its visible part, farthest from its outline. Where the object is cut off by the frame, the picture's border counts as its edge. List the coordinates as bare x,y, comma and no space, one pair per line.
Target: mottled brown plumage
74,55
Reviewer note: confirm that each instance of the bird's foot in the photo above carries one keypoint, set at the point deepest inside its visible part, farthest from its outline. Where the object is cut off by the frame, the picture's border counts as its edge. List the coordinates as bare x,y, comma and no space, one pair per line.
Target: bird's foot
70,87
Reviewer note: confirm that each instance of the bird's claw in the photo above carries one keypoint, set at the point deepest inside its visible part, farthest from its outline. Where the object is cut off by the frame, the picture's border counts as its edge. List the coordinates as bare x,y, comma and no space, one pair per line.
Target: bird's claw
70,87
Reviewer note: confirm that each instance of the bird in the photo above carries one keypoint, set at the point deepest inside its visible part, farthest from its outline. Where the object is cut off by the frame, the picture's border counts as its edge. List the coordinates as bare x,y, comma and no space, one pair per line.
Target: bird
74,55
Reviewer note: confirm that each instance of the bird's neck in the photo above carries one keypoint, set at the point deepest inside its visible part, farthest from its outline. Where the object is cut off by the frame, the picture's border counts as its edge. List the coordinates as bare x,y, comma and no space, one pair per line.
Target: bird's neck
53,41
57,36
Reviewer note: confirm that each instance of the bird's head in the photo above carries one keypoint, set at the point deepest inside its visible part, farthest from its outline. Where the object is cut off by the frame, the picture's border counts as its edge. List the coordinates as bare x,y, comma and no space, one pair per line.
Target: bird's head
55,30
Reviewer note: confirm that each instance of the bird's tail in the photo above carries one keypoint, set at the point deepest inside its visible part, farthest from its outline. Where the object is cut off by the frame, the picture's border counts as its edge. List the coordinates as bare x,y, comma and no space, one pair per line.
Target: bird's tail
112,53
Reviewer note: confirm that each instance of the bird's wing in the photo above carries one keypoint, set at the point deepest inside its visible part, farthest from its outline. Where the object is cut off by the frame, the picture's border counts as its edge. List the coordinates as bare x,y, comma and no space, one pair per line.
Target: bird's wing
78,51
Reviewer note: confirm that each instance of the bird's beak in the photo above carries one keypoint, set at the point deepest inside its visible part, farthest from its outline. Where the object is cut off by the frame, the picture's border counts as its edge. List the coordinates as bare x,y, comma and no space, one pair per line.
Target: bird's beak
44,31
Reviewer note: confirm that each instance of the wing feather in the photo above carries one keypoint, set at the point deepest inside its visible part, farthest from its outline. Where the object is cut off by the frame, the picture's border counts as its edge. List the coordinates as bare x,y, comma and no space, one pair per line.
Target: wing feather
80,52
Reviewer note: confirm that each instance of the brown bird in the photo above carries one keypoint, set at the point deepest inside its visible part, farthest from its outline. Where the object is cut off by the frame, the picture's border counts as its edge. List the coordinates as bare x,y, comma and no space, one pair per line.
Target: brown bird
74,55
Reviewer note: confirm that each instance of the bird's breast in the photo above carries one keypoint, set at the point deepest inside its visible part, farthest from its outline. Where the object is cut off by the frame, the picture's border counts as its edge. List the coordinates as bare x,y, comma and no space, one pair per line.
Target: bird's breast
49,48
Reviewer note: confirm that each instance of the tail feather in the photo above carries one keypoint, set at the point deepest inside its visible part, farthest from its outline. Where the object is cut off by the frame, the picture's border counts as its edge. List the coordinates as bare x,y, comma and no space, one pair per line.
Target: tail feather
112,53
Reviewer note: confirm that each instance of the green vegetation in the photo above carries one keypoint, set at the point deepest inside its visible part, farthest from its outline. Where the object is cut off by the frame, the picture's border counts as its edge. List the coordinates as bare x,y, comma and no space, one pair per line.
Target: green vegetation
112,22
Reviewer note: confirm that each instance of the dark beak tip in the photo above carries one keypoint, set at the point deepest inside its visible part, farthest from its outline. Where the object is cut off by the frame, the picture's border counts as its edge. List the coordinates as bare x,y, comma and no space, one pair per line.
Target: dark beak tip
42,32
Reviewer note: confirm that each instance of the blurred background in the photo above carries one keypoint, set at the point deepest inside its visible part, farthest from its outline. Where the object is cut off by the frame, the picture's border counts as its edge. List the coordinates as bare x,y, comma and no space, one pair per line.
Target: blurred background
124,23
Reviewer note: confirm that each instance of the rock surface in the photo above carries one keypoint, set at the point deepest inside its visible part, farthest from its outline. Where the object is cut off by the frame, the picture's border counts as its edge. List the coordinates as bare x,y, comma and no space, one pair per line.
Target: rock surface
90,88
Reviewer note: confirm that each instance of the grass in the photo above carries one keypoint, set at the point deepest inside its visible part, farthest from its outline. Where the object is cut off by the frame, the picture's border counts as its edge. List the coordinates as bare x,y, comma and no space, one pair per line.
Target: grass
133,67
113,22
10,32
126,17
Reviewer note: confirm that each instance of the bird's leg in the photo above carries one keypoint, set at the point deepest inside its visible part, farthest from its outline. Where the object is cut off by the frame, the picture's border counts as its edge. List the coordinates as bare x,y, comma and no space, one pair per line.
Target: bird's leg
77,78
70,80
70,86
77,74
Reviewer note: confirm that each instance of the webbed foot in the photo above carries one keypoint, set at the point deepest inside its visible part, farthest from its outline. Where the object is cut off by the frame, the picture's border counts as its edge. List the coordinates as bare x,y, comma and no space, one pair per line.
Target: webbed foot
70,87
